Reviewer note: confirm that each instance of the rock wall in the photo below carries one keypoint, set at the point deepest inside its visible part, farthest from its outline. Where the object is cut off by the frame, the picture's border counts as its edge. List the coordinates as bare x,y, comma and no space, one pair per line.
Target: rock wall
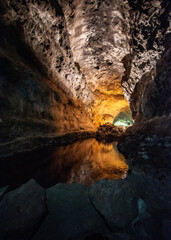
149,23
66,62
153,107
33,100
150,70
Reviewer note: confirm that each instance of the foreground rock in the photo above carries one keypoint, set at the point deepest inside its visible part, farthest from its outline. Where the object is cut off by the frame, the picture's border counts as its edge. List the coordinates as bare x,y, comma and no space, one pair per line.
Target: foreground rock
150,155
21,211
129,203
70,214
116,201
128,209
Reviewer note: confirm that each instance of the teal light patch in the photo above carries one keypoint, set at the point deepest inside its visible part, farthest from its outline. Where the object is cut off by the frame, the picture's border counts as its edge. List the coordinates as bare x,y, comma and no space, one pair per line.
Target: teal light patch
123,123
123,119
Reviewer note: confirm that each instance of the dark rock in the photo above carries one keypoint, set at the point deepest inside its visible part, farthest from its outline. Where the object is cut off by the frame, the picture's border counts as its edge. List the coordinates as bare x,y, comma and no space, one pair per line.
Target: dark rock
148,154
123,203
150,102
71,214
166,228
22,210
3,191
109,132
116,201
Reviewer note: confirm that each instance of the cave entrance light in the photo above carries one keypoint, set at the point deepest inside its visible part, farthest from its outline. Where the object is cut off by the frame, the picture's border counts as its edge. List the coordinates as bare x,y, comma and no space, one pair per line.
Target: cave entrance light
124,118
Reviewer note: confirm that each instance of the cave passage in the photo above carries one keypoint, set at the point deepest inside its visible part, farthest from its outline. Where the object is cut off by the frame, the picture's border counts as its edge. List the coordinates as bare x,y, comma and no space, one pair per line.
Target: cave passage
124,118
82,162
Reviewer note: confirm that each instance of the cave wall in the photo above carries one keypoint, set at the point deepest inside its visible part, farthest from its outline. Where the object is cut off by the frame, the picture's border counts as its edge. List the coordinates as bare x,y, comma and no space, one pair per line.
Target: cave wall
32,106
149,25
33,101
68,65
150,100
153,107
81,45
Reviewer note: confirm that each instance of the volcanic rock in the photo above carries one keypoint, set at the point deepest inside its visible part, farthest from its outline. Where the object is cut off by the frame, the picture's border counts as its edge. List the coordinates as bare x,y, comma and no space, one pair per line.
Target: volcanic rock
120,202
21,211
70,214
109,132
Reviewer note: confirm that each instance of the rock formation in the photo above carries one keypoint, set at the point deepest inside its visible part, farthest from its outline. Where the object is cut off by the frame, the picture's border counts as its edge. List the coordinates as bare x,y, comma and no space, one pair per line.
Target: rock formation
22,211
64,63
66,68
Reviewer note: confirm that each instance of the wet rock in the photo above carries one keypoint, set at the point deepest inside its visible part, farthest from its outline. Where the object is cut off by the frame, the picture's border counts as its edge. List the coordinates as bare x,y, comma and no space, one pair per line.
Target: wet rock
148,154
109,132
70,214
22,210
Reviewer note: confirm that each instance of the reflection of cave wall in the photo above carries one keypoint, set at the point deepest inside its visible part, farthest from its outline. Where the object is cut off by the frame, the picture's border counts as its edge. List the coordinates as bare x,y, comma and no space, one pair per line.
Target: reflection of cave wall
89,160
65,61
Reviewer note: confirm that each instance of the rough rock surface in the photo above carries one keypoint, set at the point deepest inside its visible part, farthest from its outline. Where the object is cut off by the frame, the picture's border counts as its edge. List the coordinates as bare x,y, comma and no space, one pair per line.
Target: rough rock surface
109,132
116,202
32,106
124,203
21,211
127,209
151,100
148,154
65,63
70,214
149,28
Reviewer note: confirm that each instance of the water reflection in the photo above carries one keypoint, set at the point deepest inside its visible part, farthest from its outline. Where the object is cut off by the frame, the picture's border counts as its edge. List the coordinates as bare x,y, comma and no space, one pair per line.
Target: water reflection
83,162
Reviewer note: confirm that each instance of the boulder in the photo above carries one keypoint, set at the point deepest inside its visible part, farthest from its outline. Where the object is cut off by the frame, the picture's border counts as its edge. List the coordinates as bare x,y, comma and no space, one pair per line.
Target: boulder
116,201
71,214
126,202
22,211
109,132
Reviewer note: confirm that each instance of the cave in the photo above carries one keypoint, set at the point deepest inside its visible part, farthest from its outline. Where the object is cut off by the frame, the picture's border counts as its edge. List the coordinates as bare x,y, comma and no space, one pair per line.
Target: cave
85,120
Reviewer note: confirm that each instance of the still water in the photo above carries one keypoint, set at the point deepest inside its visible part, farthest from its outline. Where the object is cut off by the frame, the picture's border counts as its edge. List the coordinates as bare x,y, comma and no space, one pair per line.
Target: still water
82,162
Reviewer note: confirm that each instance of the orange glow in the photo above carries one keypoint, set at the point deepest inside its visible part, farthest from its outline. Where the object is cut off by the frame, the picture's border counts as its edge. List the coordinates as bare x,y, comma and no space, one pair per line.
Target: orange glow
88,161
109,99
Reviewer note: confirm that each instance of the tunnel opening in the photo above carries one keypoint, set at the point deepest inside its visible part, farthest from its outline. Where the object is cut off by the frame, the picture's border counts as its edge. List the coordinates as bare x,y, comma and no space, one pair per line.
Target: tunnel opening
124,118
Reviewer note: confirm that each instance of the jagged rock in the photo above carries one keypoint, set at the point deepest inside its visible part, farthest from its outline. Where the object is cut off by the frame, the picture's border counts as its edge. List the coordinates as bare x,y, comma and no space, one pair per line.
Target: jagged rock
70,214
148,154
67,62
21,211
150,102
109,132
